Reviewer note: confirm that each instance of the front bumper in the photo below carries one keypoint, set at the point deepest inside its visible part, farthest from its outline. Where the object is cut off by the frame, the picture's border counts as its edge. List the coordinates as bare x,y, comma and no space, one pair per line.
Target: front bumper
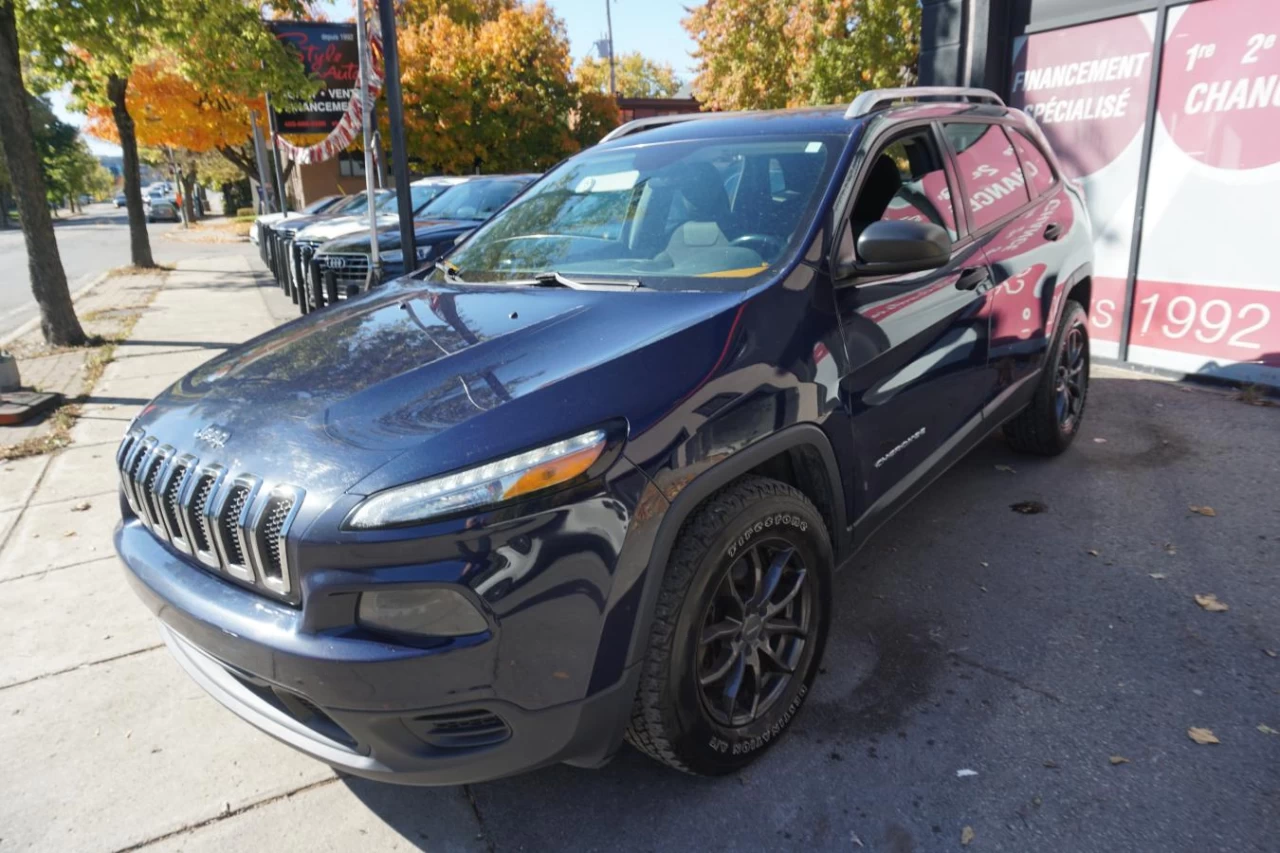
402,714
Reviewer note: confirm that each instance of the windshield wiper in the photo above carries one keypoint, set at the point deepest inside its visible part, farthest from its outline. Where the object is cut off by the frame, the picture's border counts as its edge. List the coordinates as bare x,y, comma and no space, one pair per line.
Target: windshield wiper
555,279
450,272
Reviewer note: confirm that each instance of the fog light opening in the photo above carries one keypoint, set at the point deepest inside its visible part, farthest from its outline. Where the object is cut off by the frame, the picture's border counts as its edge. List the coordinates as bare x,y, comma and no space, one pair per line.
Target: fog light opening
432,612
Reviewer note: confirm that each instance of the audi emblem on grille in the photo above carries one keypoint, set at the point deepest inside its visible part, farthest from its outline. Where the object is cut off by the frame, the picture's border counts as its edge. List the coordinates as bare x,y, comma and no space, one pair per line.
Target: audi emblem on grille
231,525
336,263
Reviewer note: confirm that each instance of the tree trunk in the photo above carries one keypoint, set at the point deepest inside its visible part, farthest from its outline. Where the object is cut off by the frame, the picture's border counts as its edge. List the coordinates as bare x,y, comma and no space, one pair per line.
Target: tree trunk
4,209
58,319
139,242
188,180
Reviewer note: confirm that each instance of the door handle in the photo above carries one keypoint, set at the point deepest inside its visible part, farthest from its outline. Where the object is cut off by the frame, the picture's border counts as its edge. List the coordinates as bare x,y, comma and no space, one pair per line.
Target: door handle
973,278
1052,231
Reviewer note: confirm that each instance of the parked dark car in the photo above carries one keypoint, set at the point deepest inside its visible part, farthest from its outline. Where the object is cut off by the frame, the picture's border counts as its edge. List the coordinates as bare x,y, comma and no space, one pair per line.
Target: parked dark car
437,227
161,208
591,478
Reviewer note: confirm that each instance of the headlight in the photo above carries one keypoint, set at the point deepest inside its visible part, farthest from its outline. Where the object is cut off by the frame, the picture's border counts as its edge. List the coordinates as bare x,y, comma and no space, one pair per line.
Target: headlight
395,256
487,484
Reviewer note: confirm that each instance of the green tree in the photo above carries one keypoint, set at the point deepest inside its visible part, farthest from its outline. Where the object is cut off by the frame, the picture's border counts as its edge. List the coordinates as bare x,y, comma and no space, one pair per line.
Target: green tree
636,76
94,44
765,54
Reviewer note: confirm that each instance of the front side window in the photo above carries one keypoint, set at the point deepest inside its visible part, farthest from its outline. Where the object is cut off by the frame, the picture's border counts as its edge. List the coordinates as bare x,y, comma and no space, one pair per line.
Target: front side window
906,181
697,215
992,179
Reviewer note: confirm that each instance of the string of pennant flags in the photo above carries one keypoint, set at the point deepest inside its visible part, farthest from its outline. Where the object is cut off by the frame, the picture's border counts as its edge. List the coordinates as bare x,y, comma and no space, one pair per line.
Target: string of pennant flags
352,121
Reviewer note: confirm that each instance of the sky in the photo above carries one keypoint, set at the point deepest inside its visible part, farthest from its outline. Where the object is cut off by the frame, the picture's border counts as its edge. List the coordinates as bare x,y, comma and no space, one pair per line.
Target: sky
649,26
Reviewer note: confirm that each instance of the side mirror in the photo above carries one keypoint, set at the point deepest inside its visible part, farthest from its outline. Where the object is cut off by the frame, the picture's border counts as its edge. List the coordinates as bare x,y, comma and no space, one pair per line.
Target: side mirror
893,246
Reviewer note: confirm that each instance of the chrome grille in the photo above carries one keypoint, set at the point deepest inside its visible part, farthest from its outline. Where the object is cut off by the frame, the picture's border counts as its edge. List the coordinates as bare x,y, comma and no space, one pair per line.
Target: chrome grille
223,522
347,269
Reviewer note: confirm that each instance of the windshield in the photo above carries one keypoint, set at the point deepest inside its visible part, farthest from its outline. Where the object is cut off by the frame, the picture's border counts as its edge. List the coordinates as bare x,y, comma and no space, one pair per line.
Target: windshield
355,204
318,206
472,200
421,194
708,214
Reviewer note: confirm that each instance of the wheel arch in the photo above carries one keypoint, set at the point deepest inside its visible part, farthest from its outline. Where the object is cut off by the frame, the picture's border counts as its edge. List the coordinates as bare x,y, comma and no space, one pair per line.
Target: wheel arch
800,455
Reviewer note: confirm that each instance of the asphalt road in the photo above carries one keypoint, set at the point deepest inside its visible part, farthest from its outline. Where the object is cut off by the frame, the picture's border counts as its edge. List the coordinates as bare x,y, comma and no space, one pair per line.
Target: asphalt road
90,244
970,637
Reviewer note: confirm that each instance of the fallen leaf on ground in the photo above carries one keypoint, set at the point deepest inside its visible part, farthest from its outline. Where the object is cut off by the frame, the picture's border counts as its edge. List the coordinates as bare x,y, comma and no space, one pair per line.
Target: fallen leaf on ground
1267,730
985,564
1099,441
68,534
1271,653
1119,759
1052,765
1028,507
1170,548
1203,510
1202,736
1008,469
1157,575
967,835
966,772
1092,552
1210,602
853,838
81,507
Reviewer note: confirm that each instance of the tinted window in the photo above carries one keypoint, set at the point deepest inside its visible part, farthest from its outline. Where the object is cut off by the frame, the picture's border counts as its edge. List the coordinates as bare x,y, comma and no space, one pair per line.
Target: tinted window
1035,166
989,170
906,182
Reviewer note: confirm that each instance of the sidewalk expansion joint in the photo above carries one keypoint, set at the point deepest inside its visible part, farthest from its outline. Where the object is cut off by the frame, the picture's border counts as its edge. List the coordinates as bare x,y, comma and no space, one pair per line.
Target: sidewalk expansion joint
44,469
109,492
475,809
230,813
28,575
82,666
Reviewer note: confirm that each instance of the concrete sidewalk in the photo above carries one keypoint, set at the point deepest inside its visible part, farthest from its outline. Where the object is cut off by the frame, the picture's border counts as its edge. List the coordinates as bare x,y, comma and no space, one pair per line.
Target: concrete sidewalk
108,745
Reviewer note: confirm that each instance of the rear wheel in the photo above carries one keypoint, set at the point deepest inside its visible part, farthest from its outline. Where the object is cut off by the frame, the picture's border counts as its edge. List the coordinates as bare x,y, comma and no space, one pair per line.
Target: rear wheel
738,631
1048,425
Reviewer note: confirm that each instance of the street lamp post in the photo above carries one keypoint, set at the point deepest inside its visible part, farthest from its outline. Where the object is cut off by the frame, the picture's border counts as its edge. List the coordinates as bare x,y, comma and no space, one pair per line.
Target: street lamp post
395,116
374,275
608,17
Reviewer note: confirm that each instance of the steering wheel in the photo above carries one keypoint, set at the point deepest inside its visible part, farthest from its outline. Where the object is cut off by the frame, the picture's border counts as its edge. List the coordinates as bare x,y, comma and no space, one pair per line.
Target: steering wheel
765,245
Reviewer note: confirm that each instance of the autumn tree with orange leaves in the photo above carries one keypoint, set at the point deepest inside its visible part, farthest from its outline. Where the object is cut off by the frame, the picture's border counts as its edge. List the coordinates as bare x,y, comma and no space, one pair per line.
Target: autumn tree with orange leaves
487,86
766,54
181,119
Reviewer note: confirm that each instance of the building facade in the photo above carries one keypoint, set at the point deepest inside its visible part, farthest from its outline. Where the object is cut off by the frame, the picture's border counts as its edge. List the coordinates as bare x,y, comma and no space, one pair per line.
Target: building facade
1167,112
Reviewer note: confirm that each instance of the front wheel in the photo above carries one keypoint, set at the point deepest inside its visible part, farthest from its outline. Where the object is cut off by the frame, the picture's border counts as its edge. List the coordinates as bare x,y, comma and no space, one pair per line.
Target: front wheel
1048,425
738,630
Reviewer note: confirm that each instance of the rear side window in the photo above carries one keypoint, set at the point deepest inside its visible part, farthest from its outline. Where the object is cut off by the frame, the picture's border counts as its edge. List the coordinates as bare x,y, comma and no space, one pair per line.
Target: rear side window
1035,165
993,181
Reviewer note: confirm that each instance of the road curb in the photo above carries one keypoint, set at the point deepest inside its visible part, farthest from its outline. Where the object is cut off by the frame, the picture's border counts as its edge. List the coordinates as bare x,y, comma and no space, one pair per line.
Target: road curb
35,321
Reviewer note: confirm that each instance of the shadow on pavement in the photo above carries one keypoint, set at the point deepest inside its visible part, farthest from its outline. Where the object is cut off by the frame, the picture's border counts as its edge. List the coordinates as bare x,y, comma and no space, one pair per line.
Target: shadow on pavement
1027,648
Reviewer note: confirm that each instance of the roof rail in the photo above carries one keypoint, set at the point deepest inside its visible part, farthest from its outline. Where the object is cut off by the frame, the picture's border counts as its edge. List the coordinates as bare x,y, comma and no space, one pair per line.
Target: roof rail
637,125
869,102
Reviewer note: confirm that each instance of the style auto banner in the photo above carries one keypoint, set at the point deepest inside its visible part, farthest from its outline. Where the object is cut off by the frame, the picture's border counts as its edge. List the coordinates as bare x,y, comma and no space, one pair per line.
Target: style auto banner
329,53
1206,298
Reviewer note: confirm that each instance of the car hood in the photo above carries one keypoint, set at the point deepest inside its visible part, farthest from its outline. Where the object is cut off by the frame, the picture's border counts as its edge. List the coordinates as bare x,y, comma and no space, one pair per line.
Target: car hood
331,228
424,230
325,400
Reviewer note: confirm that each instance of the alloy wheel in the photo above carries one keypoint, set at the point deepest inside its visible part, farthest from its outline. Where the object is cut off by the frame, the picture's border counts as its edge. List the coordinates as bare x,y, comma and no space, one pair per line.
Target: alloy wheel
1069,384
754,633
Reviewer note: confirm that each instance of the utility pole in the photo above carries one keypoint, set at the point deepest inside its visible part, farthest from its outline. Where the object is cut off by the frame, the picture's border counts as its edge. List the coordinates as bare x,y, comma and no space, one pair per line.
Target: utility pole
395,115
261,157
281,204
375,261
608,17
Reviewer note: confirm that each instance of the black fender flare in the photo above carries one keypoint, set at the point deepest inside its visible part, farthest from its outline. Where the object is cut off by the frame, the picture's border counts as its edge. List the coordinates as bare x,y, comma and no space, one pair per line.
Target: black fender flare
806,435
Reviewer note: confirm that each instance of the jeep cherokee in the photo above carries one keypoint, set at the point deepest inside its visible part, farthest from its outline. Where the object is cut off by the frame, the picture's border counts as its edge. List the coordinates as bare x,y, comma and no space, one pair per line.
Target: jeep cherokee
588,478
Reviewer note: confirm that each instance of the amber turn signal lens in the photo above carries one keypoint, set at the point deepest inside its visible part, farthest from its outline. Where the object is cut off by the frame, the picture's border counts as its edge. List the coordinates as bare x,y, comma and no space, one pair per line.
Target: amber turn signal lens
555,472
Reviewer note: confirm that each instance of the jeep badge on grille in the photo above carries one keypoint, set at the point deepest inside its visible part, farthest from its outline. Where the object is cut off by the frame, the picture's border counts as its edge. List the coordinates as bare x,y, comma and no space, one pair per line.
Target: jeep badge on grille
214,435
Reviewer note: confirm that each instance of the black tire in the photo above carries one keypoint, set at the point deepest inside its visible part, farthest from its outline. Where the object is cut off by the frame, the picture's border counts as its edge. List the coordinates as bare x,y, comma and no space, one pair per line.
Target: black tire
1049,424
695,727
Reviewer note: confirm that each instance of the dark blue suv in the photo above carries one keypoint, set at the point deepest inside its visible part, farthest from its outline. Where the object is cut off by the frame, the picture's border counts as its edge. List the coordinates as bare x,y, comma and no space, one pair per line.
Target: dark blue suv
588,478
